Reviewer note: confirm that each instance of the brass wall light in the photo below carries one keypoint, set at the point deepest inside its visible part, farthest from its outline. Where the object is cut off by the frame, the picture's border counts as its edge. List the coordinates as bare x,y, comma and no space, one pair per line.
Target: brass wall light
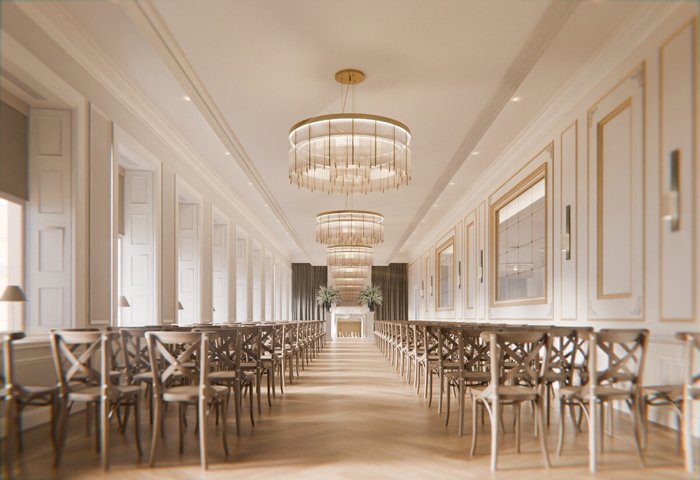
671,200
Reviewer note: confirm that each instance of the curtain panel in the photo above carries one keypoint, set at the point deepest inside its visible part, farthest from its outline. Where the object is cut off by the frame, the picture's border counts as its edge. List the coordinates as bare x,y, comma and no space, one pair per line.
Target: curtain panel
306,279
393,280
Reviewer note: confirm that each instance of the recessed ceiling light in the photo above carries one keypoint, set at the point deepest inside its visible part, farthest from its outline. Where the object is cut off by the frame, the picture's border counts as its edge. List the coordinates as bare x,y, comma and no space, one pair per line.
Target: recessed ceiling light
452,183
250,183
266,206
422,221
516,99
435,205
475,153
186,98
228,153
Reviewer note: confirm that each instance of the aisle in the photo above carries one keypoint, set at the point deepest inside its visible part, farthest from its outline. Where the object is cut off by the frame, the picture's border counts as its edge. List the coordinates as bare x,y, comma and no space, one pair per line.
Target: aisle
348,416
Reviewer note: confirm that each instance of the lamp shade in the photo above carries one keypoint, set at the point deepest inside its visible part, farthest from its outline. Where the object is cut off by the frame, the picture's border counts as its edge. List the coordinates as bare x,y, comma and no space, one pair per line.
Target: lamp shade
179,306
13,293
123,302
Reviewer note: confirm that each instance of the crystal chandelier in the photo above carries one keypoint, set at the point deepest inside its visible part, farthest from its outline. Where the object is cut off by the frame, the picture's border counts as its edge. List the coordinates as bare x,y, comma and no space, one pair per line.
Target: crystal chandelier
349,152
350,282
349,256
350,272
349,227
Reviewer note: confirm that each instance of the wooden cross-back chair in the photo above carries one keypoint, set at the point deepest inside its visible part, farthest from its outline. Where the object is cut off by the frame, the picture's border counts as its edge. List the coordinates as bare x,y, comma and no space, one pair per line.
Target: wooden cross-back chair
75,355
616,359
472,368
269,362
225,355
16,397
518,363
176,356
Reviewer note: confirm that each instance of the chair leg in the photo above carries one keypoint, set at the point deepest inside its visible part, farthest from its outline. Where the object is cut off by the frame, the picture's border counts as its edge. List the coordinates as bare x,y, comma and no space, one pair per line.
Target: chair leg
8,452
495,416
474,429
237,405
543,432
157,419
137,424
516,416
62,431
224,426
688,447
104,431
250,403
180,427
562,426
460,428
593,423
203,432
636,419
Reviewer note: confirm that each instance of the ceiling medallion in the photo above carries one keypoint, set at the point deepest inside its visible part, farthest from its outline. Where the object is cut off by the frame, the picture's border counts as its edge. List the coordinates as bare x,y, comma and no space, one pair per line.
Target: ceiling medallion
349,227
349,152
349,256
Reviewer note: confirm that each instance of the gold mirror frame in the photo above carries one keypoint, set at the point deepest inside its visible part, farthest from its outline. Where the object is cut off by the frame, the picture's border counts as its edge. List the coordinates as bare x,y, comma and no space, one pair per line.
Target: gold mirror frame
450,242
541,173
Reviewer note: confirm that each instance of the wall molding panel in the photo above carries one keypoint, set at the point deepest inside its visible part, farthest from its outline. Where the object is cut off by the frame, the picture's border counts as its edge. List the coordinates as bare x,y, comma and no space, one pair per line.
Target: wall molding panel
616,199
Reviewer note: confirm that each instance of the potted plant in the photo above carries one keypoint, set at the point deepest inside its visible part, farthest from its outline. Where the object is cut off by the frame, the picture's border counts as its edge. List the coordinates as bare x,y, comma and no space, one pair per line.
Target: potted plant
327,296
371,296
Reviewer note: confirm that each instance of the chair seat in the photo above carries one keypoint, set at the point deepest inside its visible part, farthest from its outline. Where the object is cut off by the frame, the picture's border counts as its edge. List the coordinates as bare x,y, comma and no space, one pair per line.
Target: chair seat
223,375
92,394
189,393
470,376
668,393
35,391
146,377
603,392
506,392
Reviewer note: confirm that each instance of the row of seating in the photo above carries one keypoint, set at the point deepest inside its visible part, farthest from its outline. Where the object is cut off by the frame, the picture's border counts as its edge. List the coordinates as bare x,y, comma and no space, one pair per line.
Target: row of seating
584,371
199,365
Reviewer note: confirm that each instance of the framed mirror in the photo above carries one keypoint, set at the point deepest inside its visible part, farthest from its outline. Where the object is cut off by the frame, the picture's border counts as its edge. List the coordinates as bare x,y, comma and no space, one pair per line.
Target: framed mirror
445,263
519,243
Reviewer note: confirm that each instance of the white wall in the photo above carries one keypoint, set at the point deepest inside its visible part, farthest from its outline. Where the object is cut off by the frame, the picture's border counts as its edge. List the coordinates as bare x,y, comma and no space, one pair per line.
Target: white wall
92,109
634,272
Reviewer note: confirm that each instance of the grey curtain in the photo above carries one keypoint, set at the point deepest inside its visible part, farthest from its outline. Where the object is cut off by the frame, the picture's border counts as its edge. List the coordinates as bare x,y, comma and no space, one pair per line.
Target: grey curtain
306,279
14,128
393,280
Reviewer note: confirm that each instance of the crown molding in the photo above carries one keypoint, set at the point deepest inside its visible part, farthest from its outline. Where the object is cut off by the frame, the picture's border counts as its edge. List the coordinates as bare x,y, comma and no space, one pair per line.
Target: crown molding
146,16
82,49
608,58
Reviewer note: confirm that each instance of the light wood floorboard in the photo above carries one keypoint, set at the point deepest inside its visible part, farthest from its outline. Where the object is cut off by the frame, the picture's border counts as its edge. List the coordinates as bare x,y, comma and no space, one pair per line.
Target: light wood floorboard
349,416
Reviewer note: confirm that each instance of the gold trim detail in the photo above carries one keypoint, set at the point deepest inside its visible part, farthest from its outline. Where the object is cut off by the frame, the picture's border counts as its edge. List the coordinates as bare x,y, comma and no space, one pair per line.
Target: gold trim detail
450,242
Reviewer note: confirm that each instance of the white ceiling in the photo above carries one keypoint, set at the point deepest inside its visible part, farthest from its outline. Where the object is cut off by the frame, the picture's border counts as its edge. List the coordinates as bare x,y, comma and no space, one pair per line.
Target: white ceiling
446,68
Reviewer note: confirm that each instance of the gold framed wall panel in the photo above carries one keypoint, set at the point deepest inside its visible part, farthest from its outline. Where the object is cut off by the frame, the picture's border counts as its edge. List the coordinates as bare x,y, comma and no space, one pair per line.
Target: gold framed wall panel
447,240
537,309
677,131
615,183
470,251
568,195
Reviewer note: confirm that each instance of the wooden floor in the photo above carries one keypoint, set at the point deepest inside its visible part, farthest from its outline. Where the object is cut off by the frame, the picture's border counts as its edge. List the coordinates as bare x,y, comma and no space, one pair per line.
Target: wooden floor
350,416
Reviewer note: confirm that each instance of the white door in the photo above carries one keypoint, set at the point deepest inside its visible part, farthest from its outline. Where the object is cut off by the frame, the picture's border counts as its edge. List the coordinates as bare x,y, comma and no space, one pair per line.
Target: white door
138,249
188,255
219,272
49,221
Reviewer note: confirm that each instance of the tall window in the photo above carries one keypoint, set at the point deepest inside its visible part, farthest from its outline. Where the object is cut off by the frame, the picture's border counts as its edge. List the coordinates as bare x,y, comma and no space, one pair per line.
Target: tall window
11,261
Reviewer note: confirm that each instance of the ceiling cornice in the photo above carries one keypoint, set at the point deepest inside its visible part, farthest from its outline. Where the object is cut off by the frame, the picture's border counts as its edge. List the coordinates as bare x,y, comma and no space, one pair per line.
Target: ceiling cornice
552,20
152,25
55,24
533,137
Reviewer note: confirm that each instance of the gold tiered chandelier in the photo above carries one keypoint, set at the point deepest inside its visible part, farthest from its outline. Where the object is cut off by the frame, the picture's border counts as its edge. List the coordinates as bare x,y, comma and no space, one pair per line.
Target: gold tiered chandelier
349,152
350,272
349,227
349,256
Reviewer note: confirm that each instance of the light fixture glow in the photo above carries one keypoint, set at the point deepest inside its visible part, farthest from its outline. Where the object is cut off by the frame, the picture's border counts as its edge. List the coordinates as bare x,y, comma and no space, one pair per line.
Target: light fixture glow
349,256
349,227
349,152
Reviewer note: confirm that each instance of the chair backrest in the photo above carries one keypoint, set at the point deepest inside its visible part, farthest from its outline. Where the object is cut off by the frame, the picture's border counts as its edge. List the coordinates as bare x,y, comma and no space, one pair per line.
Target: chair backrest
224,348
518,357
569,352
177,355
7,379
76,354
134,351
617,356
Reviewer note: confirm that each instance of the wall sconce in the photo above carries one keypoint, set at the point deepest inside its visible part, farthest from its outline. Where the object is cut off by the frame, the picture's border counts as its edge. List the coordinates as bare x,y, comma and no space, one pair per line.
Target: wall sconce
566,236
422,289
431,285
179,306
670,207
459,275
480,270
